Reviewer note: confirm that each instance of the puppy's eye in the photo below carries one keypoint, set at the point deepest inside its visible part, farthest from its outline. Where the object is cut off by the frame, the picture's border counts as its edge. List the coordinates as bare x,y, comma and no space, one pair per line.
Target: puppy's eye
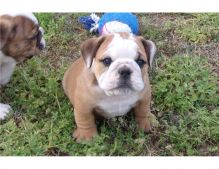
32,38
140,62
107,61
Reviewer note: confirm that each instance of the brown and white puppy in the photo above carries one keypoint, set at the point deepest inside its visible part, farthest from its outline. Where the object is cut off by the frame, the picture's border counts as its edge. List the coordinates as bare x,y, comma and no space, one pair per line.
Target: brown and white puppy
21,37
110,79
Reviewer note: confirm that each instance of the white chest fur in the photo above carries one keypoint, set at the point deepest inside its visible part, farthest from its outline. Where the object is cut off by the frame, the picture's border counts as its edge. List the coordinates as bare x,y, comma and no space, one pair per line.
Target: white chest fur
7,65
117,105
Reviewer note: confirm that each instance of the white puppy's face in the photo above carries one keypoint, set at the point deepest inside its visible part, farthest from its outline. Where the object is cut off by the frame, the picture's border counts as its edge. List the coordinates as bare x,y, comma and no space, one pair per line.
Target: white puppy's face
123,75
121,63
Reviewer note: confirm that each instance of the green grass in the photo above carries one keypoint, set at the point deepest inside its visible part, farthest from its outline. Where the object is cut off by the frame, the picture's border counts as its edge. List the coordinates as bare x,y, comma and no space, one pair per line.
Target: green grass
184,88
184,83
186,99
53,26
200,28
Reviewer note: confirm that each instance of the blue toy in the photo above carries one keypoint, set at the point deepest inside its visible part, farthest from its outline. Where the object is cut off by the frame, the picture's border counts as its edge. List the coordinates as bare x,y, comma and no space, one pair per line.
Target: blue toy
110,23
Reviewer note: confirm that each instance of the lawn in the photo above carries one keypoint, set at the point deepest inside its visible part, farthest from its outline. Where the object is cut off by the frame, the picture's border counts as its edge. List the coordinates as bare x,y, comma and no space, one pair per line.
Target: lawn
185,89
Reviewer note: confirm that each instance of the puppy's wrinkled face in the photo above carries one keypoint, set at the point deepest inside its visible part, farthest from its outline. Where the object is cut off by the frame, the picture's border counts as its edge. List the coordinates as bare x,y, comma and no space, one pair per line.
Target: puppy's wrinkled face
121,63
21,36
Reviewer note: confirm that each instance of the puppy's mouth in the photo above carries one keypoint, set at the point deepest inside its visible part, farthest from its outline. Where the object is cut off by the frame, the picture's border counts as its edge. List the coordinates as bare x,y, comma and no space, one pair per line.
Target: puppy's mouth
123,84
122,89
24,58
29,57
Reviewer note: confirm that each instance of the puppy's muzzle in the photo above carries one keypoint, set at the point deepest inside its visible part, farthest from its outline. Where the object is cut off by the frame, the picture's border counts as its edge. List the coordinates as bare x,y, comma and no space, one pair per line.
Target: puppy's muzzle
125,73
124,76
40,40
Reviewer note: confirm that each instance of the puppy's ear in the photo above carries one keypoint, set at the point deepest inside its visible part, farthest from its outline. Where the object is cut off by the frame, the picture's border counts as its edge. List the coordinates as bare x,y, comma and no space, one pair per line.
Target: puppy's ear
6,28
150,49
89,49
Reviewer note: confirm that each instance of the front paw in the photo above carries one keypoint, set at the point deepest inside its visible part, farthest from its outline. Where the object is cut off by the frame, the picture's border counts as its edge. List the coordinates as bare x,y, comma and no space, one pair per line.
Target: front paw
144,123
84,134
4,110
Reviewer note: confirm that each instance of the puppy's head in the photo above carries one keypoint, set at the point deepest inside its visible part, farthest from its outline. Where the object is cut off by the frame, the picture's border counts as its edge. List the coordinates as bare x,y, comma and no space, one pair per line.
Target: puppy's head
119,62
21,36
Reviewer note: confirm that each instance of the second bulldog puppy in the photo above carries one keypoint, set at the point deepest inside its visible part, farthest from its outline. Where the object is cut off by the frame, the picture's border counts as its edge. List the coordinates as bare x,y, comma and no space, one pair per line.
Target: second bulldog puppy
21,37
110,79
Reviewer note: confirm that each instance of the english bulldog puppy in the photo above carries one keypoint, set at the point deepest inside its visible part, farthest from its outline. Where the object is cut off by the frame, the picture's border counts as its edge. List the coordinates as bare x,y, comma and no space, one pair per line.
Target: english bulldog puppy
110,79
21,37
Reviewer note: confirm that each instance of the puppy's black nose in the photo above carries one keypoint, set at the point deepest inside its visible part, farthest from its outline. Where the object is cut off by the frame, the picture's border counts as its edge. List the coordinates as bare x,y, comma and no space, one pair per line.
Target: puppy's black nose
41,46
125,73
